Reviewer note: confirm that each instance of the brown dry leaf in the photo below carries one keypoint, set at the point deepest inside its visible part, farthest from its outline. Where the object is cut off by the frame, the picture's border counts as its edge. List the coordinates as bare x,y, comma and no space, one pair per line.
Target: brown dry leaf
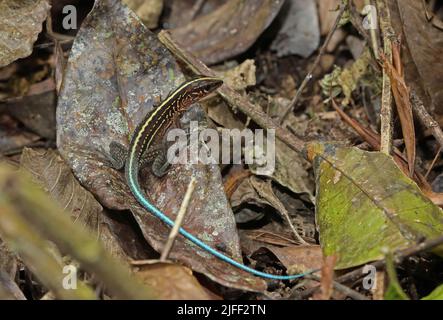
234,178
241,76
298,257
227,31
173,282
36,110
404,109
264,189
21,24
52,173
259,192
423,51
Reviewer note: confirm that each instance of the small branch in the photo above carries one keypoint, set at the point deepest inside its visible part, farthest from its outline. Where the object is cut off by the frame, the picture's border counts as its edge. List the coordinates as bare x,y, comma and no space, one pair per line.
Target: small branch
386,113
437,155
179,220
426,119
308,76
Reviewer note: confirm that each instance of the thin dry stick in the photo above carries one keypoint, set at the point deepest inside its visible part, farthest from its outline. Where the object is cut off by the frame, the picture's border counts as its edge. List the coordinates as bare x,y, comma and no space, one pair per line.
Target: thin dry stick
179,220
308,77
341,288
386,113
425,118
437,155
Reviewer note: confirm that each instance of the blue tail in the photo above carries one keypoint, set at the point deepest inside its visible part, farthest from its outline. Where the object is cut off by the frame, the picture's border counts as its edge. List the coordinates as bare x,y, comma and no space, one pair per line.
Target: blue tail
148,206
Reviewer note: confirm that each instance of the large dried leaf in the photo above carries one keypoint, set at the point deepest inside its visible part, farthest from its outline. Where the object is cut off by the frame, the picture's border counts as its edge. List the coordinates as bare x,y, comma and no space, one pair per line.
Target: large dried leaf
298,257
116,73
52,173
36,110
365,203
423,57
173,282
21,22
183,12
227,31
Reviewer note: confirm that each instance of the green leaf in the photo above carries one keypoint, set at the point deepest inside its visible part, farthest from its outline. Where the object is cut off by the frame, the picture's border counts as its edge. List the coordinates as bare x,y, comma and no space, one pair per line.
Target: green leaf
394,290
365,203
437,294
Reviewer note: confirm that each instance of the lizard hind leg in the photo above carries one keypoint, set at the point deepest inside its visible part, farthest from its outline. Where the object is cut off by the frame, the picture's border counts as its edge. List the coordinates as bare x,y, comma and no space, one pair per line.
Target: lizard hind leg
118,154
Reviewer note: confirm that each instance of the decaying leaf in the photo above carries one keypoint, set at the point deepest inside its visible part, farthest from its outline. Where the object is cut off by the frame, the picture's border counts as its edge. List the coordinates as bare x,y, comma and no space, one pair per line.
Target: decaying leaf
116,73
364,203
36,110
11,138
401,94
241,76
173,282
52,173
423,51
21,22
298,257
227,31
183,12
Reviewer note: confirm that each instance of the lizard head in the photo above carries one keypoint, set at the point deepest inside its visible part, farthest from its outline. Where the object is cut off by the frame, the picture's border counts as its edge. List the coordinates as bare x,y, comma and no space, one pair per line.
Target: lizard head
197,89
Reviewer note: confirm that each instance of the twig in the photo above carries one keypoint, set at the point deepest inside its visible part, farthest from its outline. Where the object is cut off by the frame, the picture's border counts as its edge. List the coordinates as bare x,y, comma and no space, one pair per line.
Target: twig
232,97
179,220
425,118
342,288
437,155
308,76
386,113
